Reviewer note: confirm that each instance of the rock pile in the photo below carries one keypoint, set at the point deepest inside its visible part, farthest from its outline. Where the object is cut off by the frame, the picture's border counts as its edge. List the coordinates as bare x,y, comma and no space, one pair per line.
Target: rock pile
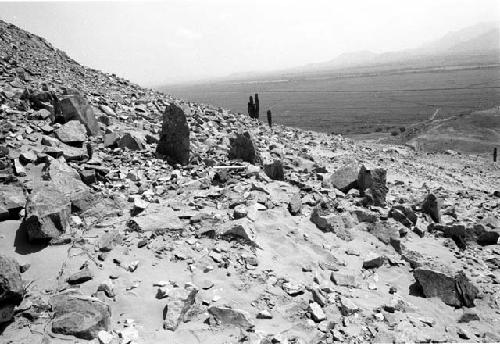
140,218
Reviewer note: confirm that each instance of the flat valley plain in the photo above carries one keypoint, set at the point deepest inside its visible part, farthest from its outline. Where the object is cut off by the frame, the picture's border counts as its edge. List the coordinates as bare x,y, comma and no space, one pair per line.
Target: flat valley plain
357,102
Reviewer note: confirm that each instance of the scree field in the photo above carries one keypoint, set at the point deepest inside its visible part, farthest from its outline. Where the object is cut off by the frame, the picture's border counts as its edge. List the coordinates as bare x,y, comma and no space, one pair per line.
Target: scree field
356,104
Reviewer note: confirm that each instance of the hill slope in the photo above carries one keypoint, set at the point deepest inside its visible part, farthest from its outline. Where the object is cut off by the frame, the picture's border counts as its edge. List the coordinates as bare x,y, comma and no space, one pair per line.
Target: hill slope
114,243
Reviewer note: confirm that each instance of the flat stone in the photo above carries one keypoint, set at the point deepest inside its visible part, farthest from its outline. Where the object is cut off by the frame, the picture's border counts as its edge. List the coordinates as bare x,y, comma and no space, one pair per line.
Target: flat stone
230,317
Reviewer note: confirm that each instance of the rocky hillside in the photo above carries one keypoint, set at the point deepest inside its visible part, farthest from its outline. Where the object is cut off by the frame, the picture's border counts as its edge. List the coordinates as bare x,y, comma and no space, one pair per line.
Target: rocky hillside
128,216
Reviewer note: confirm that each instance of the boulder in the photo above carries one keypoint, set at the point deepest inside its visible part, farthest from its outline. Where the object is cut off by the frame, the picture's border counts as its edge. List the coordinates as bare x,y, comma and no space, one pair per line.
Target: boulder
229,316
316,312
79,316
48,213
174,137
75,107
72,133
403,214
68,181
344,178
274,170
178,304
242,147
373,260
454,290
12,200
11,287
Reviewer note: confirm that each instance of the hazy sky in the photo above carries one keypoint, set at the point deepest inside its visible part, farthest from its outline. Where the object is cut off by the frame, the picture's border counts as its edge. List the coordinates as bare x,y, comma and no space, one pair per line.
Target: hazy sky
176,40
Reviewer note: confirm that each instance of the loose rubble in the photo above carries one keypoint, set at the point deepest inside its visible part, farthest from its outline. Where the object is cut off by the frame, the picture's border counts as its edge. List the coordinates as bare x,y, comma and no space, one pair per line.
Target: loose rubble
130,216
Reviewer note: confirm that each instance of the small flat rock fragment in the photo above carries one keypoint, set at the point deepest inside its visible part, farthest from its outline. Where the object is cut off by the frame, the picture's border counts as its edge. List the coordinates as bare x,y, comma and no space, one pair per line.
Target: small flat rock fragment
264,314
373,260
81,276
316,311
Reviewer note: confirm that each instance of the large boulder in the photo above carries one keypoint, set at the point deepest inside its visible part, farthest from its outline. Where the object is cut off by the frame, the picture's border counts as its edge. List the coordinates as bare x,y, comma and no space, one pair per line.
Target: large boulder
174,137
372,185
79,316
242,228
11,287
242,147
72,133
68,181
48,213
75,107
454,290
12,200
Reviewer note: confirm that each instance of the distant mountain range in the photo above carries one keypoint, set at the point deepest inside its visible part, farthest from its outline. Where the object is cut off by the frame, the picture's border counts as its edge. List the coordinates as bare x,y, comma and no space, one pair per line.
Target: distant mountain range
480,39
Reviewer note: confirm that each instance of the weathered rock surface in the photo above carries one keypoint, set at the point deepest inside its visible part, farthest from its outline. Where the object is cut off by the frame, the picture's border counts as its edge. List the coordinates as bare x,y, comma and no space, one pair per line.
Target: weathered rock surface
227,316
12,200
156,218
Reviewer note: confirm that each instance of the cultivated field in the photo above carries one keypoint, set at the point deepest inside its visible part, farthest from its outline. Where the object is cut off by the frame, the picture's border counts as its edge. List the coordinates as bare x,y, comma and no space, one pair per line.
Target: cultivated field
355,104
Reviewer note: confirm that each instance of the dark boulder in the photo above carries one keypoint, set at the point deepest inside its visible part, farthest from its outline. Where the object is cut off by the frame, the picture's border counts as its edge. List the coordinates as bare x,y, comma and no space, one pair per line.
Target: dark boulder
344,178
275,170
242,147
174,137
431,206
455,290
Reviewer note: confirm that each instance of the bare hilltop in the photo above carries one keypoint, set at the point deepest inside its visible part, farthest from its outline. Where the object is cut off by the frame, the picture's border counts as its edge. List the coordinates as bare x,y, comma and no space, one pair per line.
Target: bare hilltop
129,216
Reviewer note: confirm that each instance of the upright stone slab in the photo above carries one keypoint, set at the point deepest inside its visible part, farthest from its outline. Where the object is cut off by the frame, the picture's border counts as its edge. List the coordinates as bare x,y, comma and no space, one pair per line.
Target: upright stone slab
75,107
174,136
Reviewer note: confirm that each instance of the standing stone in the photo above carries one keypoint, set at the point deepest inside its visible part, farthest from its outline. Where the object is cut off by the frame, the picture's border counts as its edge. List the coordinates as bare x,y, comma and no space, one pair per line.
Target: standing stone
174,136
11,287
431,207
242,147
75,107
72,133
179,302
79,316
48,213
